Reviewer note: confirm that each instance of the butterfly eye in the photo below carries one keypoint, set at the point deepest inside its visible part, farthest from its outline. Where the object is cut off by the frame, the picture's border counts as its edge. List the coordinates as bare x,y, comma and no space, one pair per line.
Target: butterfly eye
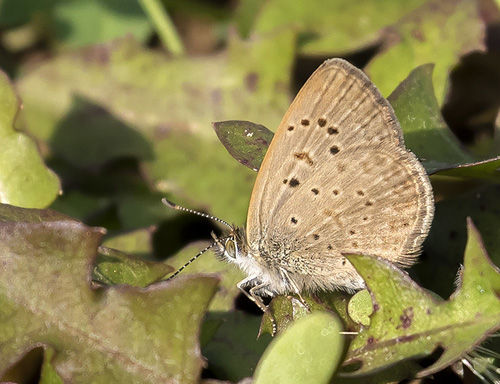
231,249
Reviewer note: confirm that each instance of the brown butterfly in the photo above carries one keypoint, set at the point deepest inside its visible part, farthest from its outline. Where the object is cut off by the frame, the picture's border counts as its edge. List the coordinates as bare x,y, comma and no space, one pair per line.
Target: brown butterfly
337,179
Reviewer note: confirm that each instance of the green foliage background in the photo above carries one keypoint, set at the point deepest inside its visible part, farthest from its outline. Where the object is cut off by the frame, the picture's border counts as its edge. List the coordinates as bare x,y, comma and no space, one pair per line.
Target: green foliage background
107,106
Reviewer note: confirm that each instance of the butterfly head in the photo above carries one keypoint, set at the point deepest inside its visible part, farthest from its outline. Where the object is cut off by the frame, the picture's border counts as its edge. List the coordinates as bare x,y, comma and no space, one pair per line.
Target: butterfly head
231,248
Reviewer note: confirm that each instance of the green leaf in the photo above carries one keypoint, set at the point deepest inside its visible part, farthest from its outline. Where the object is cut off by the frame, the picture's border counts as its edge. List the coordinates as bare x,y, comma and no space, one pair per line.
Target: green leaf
174,103
67,24
309,351
178,173
282,311
115,267
120,333
169,95
78,205
428,136
440,31
475,304
49,374
138,207
327,27
247,142
89,136
137,243
425,131
445,245
408,322
285,310
10,213
110,19
246,13
24,179
13,12
481,170
360,307
234,350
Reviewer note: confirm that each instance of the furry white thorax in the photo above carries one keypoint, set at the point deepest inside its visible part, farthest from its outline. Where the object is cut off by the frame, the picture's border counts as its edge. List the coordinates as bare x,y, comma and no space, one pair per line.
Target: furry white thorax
234,249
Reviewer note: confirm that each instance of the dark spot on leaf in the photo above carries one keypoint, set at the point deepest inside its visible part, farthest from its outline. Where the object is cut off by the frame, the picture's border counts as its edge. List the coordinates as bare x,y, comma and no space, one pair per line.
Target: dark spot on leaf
370,340
405,224
332,131
304,122
360,193
285,181
344,261
315,191
321,122
417,34
369,203
428,311
216,96
97,54
291,127
330,247
351,232
365,218
293,182
406,339
406,318
162,131
251,81
334,150
264,142
304,156
294,220
375,307
335,192
316,236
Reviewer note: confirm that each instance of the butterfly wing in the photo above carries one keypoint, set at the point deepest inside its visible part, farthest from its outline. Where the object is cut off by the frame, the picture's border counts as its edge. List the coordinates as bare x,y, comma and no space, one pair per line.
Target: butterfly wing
337,179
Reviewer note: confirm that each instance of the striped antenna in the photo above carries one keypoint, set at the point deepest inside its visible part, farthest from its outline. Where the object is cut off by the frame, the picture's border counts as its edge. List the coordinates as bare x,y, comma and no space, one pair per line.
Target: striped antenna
217,241
179,208
191,260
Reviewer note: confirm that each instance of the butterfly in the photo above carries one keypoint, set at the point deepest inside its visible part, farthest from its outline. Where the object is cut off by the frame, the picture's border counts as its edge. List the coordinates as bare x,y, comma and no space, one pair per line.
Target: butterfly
336,179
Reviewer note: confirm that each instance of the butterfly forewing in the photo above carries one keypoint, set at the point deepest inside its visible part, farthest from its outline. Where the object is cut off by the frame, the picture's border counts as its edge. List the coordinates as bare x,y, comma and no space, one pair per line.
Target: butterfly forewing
338,179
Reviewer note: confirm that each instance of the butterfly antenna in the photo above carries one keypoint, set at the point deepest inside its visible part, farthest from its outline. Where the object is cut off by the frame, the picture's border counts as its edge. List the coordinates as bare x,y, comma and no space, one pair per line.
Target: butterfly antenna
179,208
190,261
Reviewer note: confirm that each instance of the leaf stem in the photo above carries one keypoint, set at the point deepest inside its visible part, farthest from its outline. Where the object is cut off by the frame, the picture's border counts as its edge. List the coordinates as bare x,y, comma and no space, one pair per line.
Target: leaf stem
163,26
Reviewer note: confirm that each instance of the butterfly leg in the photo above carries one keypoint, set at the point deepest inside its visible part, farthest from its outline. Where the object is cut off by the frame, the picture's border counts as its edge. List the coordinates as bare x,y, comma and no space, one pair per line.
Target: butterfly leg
252,295
296,290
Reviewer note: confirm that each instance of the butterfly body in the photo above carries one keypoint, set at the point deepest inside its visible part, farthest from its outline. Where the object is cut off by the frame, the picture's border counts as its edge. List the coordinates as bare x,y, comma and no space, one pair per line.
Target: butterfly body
337,179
